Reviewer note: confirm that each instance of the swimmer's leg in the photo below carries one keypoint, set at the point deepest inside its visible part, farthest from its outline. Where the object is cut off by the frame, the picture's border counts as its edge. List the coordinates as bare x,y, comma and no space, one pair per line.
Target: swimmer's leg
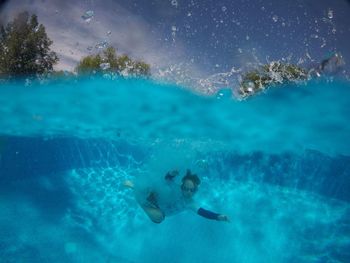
154,213
150,208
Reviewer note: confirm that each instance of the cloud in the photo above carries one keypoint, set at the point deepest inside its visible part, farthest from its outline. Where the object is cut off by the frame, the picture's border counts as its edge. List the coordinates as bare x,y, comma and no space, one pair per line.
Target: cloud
72,36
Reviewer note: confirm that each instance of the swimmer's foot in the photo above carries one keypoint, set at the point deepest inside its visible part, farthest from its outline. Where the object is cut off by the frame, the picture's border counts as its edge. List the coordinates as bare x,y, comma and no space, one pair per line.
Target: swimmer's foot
129,184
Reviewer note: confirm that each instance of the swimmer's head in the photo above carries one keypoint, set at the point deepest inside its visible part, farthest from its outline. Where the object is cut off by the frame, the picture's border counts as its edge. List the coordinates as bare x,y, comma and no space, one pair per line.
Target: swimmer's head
190,183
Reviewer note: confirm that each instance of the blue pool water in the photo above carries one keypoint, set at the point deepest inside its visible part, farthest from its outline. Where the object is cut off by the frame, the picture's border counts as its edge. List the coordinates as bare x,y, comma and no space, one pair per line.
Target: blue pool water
278,164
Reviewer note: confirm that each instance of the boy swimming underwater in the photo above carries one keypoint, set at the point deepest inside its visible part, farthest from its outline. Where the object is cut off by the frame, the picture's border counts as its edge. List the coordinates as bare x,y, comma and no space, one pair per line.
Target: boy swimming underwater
157,207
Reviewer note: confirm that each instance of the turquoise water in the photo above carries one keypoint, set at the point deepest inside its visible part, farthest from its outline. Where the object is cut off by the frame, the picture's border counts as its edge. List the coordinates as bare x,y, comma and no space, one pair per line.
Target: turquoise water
278,164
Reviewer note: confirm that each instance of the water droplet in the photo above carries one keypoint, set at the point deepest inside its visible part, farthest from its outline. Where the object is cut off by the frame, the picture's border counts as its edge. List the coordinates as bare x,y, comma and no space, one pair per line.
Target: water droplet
224,9
330,13
189,14
275,18
173,28
109,33
240,50
174,3
334,30
308,55
88,16
105,66
247,37
101,45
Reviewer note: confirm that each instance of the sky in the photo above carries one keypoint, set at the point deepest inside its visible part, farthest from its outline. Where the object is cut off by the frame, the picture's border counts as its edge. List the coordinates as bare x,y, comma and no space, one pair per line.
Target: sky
194,38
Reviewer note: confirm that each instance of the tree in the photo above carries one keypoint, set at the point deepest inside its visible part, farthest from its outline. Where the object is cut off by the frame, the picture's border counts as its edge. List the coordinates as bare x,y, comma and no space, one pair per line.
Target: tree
89,64
25,48
269,75
108,61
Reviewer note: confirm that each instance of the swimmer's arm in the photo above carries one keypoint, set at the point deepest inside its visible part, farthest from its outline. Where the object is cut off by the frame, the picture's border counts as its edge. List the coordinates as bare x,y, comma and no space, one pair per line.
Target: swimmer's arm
209,214
171,175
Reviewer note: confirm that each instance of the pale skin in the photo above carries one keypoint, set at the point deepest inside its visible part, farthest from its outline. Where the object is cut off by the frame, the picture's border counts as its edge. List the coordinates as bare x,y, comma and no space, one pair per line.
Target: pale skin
157,216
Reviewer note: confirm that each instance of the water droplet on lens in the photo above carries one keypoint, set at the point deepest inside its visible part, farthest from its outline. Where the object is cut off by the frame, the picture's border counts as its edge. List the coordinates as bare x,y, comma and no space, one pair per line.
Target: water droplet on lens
88,16
105,66
102,45
330,13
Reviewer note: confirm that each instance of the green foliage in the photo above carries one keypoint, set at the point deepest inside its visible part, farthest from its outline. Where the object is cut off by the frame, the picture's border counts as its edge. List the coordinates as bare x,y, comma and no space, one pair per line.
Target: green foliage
269,75
108,61
25,48
89,64
61,74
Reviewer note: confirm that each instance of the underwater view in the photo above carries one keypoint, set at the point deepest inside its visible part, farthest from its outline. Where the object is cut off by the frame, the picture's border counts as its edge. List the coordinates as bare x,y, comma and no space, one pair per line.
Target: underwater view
174,131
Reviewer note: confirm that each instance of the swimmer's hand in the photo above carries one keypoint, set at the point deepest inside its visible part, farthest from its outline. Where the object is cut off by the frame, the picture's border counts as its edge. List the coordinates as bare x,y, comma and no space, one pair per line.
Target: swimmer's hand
223,218
171,175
